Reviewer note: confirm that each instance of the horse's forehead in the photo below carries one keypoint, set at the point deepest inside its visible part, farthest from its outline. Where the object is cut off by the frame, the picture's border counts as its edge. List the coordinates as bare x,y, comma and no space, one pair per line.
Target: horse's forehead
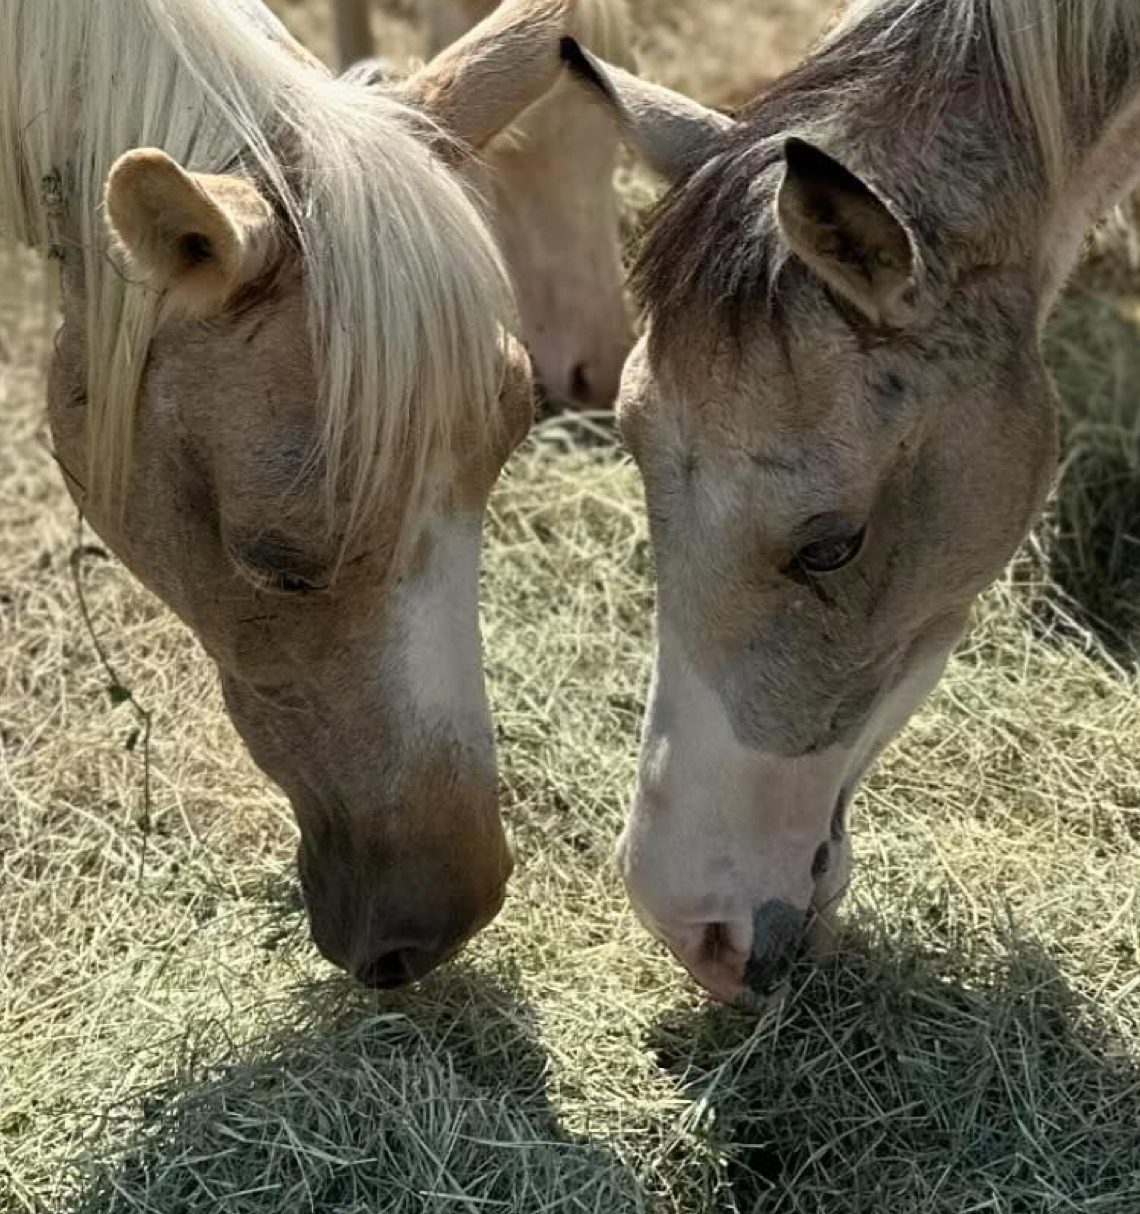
780,384
260,362
245,388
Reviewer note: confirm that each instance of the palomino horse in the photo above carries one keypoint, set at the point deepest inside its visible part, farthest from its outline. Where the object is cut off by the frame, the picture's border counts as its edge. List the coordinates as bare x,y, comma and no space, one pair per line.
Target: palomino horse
843,421
549,182
282,392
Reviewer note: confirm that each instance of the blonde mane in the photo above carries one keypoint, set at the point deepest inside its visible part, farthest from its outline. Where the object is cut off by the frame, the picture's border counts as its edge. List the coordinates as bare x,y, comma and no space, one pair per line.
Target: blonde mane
1066,63
407,294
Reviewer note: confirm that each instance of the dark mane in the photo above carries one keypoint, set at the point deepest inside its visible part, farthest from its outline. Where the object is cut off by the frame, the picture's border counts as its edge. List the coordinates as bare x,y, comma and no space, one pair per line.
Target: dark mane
713,247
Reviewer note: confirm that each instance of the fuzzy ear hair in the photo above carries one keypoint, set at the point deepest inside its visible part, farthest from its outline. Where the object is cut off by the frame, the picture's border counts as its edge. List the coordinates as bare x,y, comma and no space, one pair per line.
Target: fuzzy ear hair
673,134
198,237
844,231
478,86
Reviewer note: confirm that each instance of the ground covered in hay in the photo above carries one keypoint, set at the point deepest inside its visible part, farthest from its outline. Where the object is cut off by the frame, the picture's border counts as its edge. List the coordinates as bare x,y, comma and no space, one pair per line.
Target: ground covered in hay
170,1043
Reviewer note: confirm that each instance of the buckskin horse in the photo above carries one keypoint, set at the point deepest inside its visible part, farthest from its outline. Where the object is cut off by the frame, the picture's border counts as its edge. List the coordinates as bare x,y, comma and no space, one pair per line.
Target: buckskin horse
843,420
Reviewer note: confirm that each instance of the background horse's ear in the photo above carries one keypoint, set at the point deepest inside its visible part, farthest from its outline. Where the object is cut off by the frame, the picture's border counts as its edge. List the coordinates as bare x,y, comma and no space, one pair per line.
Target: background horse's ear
480,84
673,134
836,224
198,237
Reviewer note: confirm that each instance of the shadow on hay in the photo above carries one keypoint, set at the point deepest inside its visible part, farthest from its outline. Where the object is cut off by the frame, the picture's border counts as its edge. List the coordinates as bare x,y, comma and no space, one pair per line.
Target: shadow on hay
431,1100
894,1082
1092,536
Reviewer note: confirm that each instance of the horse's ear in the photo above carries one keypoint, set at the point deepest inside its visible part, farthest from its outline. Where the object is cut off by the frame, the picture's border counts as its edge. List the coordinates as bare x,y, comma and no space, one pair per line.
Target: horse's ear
200,238
673,134
479,85
840,227
516,397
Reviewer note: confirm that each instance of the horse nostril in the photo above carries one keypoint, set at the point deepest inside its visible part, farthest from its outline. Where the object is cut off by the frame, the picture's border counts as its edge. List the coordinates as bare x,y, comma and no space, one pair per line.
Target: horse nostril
821,861
838,817
389,970
777,939
580,387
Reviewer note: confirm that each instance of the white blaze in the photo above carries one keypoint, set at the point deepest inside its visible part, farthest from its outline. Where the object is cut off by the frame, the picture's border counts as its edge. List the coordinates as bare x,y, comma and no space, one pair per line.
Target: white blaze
719,829
438,614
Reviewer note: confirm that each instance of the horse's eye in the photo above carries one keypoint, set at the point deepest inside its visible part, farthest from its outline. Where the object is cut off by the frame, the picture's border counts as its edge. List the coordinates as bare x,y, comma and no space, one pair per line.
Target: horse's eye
276,566
831,553
290,583
281,581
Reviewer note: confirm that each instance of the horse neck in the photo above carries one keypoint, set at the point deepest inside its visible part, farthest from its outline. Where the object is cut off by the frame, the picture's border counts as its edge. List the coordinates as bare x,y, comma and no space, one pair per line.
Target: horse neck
1090,146
1105,173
